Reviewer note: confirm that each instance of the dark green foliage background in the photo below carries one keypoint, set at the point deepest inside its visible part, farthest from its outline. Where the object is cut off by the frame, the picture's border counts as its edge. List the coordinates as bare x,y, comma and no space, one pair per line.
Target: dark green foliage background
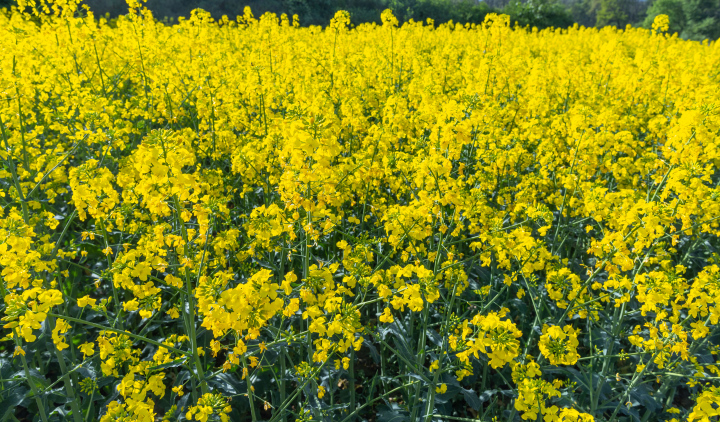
691,19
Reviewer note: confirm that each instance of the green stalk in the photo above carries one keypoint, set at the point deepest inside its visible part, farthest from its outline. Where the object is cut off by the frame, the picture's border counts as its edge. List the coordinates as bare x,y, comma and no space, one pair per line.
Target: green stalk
189,314
634,381
297,392
283,394
26,162
250,393
431,396
13,172
407,362
306,254
77,416
193,338
62,234
352,381
352,415
115,330
38,401
420,359
562,207
116,300
100,71
306,262
606,360
87,412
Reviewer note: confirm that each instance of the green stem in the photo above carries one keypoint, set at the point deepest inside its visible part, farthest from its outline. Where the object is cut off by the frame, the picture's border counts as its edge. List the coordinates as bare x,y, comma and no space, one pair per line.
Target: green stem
352,415
26,162
77,416
62,234
250,393
283,394
115,330
352,380
116,299
287,402
636,377
13,172
431,396
38,401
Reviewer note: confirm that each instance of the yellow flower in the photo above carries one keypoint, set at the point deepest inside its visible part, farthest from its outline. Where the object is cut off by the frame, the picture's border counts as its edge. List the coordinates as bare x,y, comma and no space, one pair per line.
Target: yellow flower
131,305
86,301
367,160
87,349
386,316
661,23
559,345
61,327
441,389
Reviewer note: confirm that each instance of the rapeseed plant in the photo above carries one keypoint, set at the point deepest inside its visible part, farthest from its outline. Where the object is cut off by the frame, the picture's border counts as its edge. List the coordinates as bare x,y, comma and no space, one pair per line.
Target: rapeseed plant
469,221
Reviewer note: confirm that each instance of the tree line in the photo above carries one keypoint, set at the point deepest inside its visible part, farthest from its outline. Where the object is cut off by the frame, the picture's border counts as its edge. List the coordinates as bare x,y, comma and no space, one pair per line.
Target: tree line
691,19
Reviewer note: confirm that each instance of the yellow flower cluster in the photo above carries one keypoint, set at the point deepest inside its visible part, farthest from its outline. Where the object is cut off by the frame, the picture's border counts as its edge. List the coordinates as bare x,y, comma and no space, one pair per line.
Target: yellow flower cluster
559,345
209,405
453,207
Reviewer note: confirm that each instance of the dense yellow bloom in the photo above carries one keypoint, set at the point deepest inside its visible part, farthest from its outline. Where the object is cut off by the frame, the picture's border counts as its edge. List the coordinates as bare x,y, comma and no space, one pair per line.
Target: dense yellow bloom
209,405
559,345
661,23
707,405
423,197
497,338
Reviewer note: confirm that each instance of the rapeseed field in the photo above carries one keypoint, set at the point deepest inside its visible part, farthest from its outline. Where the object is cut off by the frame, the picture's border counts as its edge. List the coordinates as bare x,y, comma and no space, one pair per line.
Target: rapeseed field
249,220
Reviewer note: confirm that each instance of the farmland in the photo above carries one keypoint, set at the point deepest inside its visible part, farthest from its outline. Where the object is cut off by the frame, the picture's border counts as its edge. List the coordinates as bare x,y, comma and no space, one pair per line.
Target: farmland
250,220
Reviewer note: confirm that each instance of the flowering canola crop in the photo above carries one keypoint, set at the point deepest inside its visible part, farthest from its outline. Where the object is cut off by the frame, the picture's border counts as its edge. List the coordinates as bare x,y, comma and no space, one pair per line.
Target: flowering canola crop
251,220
